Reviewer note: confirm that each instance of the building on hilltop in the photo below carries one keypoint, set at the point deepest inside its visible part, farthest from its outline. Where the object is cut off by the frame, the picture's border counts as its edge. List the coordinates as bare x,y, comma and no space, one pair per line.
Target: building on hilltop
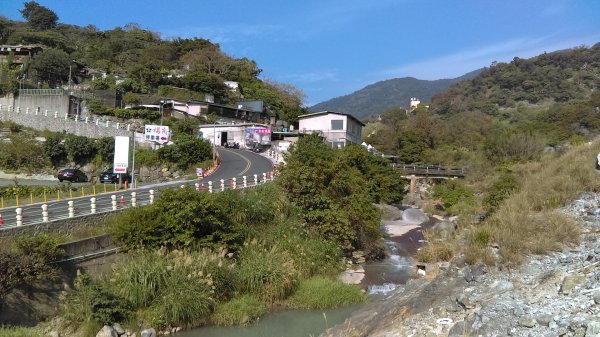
337,129
20,53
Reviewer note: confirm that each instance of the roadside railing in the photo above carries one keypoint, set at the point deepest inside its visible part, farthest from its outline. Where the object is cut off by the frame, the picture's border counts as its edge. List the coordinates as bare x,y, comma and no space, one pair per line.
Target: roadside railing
38,213
45,113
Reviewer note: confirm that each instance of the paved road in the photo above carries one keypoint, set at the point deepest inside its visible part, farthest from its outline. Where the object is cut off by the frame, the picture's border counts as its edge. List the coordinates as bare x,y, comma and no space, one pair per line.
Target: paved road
234,163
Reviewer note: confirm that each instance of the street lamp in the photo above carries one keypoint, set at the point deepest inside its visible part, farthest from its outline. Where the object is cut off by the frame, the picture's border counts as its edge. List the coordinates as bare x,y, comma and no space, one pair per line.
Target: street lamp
160,109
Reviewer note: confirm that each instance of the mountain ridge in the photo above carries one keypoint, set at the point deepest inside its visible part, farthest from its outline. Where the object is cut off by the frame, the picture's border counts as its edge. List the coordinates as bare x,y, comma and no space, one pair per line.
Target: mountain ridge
396,92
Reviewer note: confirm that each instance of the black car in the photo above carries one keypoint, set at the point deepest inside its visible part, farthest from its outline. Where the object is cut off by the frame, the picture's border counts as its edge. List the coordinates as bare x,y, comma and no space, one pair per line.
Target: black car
109,176
72,175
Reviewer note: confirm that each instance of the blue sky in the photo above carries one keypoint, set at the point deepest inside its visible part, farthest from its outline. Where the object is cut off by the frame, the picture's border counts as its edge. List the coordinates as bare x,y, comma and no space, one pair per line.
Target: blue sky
329,48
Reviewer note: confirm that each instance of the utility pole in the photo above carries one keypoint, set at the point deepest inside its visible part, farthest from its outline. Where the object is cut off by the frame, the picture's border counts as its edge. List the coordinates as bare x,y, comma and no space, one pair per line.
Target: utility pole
133,161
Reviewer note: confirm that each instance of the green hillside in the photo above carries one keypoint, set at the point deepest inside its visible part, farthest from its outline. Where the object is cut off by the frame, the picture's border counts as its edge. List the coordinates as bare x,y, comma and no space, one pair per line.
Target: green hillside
134,60
559,76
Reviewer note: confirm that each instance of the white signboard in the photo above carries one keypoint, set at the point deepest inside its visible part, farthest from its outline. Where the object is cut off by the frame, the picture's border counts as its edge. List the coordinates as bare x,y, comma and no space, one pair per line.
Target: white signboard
157,133
121,154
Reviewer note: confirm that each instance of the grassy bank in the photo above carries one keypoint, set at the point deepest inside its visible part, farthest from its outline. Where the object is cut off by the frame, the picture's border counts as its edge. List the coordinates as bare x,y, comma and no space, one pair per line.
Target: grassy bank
198,258
526,220
19,332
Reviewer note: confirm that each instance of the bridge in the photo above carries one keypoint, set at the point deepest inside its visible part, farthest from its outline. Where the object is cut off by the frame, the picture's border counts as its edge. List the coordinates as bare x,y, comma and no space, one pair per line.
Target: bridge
432,171
414,172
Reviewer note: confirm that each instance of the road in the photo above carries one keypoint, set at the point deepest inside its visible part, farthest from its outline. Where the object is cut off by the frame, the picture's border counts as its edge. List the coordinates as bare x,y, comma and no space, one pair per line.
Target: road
234,164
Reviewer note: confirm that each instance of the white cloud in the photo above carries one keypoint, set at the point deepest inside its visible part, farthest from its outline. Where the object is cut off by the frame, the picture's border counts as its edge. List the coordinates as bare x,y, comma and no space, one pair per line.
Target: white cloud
224,34
459,63
313,76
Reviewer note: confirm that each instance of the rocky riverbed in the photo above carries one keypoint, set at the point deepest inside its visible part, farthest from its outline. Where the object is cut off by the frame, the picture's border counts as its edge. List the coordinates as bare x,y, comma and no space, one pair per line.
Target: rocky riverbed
553,295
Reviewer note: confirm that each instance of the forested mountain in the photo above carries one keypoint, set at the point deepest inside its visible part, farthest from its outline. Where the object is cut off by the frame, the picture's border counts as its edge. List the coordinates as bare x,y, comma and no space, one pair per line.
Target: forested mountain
139,60
551,77
376,98
510,112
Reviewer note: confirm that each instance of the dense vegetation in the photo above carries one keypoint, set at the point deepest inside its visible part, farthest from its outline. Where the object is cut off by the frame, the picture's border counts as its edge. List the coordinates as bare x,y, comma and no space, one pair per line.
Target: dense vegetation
336,189
551,77
22,152
140,59
199,258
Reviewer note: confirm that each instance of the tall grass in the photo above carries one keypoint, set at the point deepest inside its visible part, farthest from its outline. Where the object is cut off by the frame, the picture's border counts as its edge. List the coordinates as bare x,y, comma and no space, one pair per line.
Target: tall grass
7,331
239,311
266,271
527,221
321,292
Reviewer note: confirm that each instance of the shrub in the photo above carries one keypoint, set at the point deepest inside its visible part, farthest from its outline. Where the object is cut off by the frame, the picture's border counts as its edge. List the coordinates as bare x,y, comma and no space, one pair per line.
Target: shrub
187,151
145,157
320,293
22,154
179,218
80,149
453,192
500,190
91,305
238,311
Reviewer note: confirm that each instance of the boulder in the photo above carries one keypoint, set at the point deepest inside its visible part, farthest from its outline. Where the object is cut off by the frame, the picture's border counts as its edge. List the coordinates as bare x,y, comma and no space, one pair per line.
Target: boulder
107,331
526,321
119,329
414,216
444,228
148,333
570,282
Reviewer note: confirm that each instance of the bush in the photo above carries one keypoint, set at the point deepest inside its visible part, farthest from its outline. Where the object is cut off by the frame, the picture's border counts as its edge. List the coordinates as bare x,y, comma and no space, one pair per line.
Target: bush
22,154
147,158
91,306
238,311
179,218
500,190
321,293
186,152
453,192
80,149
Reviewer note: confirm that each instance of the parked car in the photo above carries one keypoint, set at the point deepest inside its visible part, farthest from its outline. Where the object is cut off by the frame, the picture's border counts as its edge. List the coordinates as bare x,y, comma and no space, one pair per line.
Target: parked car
232,145
72,175
109,176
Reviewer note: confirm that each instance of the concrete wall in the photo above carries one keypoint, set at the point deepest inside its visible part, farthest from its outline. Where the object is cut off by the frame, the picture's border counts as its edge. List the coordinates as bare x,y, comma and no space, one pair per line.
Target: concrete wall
51,103
64,226
38,119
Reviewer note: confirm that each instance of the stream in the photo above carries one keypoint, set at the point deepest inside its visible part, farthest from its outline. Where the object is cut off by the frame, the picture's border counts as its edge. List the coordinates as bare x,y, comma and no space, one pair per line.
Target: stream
380,279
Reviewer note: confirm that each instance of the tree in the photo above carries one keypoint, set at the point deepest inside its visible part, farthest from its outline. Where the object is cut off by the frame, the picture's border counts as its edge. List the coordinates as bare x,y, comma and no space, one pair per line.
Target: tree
131,99
39,17
105,147
205,82
55,150
80,149
52,66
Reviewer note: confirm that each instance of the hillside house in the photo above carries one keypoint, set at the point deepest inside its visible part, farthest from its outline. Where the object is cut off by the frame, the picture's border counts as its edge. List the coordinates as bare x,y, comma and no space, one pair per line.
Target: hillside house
337,129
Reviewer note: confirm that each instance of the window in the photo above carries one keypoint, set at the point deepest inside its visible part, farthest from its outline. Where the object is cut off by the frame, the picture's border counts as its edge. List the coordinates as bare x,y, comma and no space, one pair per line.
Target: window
337,124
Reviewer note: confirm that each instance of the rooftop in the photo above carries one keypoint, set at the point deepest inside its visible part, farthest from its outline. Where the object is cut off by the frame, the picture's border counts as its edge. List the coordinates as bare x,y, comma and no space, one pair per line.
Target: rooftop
315,114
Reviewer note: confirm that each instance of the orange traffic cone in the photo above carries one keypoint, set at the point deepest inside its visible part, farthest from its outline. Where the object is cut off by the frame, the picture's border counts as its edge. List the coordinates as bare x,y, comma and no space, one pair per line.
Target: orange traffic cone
1,220
122,201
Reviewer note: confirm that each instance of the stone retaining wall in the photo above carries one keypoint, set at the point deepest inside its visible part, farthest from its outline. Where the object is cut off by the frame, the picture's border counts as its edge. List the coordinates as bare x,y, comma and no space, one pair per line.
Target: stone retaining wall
63,226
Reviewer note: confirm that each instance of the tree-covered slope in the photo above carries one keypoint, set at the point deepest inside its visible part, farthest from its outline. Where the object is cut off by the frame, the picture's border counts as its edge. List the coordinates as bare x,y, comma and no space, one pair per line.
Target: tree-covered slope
397,92
133,59
559,76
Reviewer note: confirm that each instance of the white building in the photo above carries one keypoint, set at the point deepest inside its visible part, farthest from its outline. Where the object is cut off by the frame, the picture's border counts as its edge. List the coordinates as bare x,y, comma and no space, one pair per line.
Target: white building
338,129
247,135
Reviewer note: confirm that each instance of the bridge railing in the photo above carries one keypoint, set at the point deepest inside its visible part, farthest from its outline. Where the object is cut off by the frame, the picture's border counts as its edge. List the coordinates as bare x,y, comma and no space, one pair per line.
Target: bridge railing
432,170
37,213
